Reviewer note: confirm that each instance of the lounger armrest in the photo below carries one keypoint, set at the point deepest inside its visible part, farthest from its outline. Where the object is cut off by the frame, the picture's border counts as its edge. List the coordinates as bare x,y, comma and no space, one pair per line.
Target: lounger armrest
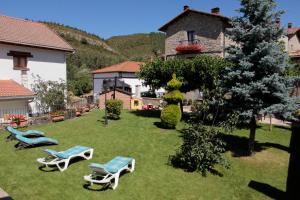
99,168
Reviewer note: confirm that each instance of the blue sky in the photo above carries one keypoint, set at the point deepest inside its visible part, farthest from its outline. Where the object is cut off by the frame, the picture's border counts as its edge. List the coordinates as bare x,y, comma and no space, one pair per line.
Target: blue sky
108,18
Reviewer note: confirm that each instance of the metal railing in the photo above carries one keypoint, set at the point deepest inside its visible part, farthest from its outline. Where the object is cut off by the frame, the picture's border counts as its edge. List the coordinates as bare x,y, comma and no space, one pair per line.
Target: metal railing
189,42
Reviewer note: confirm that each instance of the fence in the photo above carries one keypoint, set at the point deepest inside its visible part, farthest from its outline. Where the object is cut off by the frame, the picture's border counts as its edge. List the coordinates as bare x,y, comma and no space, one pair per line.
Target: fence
34,114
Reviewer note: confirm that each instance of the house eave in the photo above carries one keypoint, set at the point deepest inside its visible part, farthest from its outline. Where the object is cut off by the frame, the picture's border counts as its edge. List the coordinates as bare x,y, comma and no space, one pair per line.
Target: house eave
17,98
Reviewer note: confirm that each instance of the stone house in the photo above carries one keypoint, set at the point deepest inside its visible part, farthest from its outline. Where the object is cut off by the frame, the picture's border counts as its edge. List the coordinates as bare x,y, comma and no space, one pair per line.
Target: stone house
193,32
293,47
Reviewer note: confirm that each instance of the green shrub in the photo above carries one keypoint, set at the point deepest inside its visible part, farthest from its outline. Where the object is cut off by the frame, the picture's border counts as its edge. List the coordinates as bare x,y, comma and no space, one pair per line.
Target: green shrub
201,150
170,116
114,107
173,97
174,84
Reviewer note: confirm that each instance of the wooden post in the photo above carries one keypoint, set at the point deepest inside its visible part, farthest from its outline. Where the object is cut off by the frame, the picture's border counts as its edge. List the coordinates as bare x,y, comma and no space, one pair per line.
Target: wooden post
293,179
115,85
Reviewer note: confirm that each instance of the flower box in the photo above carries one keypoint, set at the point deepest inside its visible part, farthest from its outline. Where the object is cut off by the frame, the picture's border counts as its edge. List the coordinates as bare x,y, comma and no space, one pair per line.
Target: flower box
58,118
189,48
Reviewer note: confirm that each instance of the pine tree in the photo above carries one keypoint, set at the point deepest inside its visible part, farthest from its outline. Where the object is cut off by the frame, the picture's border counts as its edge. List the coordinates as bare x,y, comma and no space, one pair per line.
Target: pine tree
256,82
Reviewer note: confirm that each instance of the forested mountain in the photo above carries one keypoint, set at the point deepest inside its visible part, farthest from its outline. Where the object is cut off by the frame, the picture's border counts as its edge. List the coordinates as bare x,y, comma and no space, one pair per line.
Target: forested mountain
93,52
139,46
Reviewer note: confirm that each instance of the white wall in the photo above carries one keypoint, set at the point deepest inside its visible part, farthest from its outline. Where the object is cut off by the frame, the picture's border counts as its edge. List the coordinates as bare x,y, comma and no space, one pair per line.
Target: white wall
130,79
48,64
133,82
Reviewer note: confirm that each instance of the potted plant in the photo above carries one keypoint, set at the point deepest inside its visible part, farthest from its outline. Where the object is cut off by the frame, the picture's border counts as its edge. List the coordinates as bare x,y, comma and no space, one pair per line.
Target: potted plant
18,120
57,116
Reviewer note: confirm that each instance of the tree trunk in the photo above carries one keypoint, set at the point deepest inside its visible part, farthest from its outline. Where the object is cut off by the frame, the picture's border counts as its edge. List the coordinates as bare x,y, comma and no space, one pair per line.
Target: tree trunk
292,184
270,127
252,135
181,108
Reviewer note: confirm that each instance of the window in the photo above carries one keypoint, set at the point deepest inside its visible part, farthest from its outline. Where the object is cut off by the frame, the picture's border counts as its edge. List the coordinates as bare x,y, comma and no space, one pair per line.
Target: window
20,62
191,36
19,59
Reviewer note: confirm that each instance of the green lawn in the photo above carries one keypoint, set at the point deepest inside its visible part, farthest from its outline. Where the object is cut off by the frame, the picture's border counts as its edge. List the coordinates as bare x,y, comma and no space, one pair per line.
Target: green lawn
137,136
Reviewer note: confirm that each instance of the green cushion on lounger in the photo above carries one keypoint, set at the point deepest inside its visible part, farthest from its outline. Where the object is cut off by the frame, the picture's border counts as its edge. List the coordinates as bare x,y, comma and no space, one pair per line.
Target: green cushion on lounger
23,133
34,141
68,153
114,165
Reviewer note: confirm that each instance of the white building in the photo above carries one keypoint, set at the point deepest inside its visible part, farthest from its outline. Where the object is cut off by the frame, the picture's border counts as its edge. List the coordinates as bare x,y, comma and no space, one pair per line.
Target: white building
123,75
30,48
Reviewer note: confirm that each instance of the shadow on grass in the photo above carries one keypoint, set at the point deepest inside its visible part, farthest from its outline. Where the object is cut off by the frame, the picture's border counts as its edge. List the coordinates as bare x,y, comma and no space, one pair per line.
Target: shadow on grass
147,113
104,187
6,198
54,167
239,145
19,147
267,189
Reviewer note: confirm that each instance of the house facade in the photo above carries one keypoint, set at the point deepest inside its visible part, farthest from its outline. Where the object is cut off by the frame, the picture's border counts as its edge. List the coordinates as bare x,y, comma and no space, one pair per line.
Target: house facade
193,32
122,76
29,49
293,47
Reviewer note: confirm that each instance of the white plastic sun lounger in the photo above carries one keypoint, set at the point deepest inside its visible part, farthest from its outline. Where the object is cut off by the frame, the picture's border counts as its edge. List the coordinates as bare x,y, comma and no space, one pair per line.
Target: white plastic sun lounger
109,173
61,159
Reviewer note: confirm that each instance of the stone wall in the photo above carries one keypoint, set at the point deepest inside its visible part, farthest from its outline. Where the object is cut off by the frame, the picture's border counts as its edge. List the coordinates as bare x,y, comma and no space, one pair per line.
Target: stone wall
209,30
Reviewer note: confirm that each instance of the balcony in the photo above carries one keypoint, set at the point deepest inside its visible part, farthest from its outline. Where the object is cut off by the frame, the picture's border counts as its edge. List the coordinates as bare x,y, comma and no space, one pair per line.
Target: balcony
186,46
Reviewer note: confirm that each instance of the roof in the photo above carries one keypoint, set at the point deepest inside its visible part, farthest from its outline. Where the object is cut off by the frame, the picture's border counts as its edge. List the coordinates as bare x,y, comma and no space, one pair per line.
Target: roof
293,30
188,10
127,66
10,88
29,33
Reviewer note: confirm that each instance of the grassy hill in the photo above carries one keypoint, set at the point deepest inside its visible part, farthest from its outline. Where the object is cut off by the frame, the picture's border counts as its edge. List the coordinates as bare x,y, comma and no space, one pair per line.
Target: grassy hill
138,46
93,52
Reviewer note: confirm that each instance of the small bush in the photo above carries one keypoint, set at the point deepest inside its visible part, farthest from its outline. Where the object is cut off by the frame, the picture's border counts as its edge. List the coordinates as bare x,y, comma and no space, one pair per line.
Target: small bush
201,150
173,97
174,83
170,116
114,107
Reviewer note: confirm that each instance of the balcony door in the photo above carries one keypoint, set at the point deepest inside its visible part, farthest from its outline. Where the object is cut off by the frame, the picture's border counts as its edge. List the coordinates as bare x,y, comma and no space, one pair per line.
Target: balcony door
191,36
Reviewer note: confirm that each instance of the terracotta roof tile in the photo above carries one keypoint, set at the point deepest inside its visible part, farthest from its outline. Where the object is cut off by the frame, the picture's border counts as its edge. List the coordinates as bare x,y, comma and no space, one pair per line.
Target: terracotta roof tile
293,30
10,88
127,66
29,33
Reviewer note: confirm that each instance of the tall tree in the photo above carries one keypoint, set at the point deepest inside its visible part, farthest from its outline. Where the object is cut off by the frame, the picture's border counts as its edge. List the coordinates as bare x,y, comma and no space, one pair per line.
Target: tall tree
256,82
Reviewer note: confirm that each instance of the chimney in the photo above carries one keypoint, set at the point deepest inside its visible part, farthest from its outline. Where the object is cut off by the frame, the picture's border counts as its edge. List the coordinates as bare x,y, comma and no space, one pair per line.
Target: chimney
215,10
138,91
290,25
185,7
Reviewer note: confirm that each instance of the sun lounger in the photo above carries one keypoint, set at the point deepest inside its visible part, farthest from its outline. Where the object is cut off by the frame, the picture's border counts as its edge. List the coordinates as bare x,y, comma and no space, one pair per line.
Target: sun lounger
30,142
61,159
13,132
109,173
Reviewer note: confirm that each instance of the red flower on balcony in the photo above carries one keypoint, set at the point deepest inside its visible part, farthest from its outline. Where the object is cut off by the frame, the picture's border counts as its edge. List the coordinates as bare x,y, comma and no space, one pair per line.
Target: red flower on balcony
189,47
